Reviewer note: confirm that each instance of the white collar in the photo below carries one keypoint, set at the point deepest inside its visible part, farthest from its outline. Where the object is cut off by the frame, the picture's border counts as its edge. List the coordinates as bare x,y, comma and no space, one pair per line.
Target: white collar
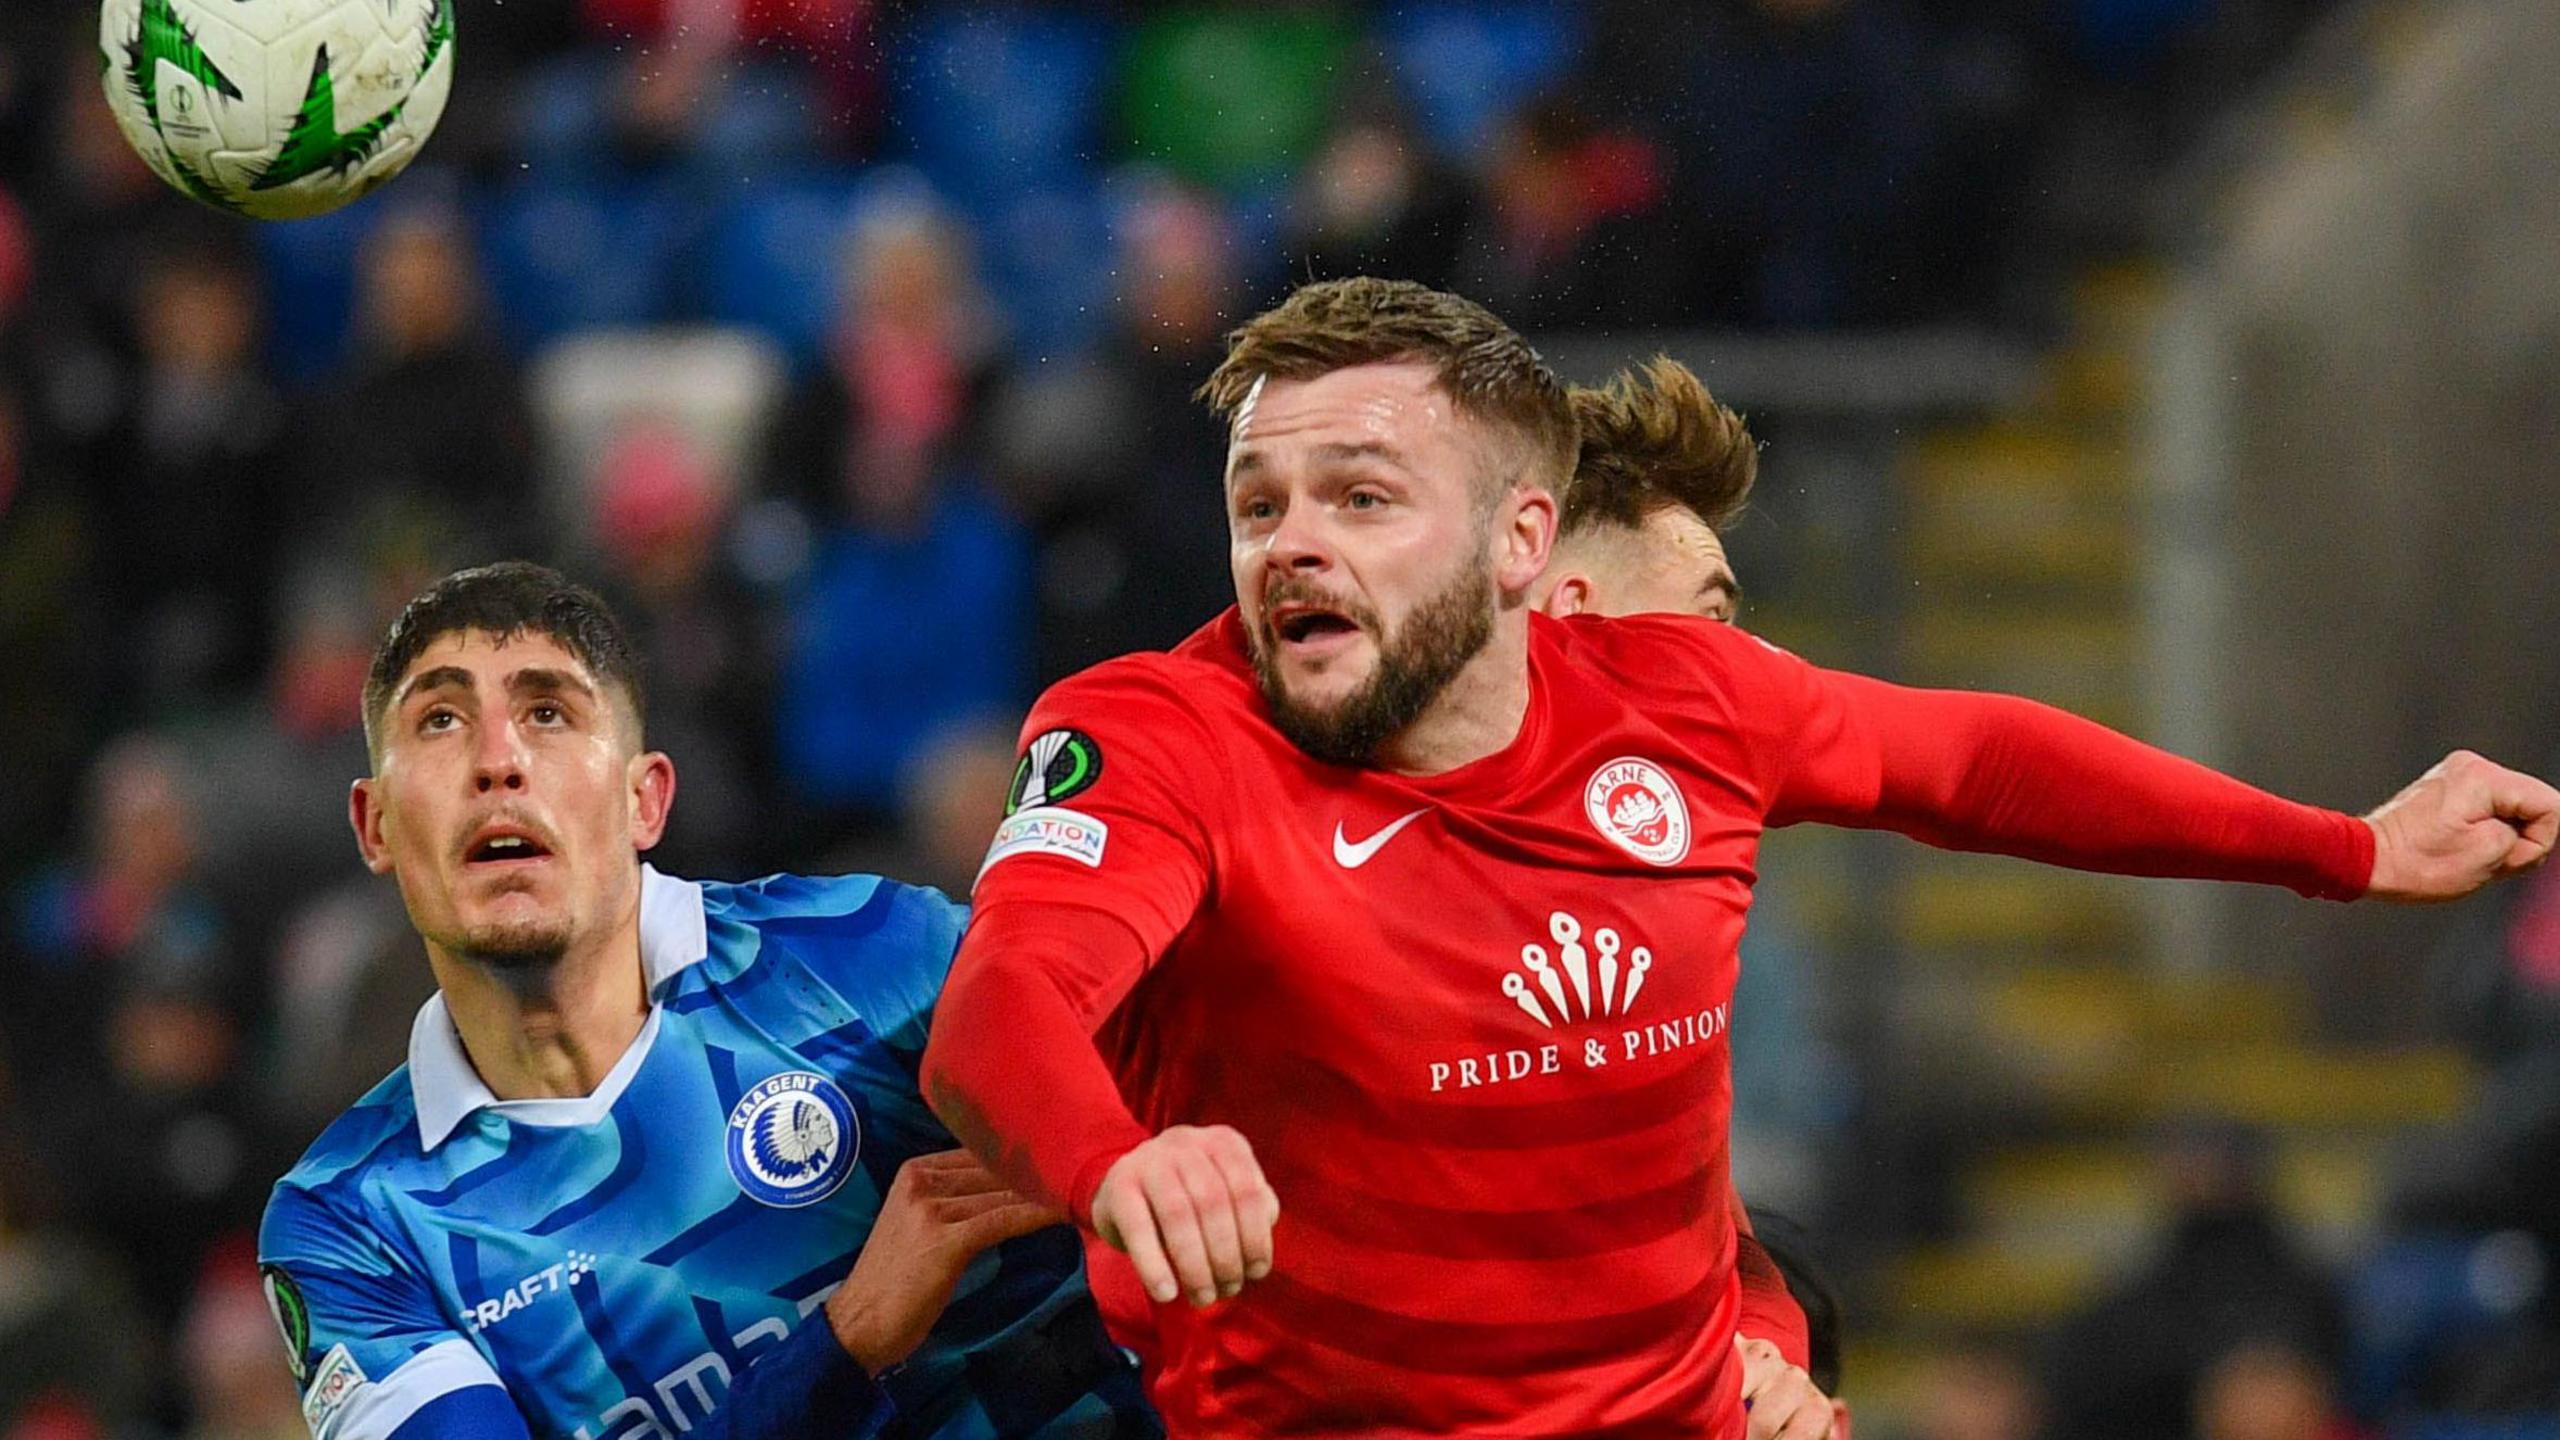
673,936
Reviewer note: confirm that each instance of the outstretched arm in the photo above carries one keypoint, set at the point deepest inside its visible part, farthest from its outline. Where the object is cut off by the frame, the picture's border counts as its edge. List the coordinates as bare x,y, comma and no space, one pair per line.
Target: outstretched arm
1997,773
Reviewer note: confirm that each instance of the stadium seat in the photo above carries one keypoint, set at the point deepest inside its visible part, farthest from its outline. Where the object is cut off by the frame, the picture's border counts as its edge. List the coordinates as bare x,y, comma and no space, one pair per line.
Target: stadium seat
599,253
2423,1295
765,114
1237,95
989,100
1048,258
311,288
1465,66
775,256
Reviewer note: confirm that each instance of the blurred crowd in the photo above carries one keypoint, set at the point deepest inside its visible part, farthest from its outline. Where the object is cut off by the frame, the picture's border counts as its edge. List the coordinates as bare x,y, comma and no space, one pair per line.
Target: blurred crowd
849,350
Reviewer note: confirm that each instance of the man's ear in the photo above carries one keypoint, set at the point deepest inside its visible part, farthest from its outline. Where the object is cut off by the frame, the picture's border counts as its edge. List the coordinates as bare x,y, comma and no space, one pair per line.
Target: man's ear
652,776
1571,596
364,814
1527,540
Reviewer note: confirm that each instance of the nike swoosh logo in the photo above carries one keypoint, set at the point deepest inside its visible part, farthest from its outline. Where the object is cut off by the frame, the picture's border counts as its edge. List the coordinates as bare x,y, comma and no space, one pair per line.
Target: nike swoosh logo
1351,857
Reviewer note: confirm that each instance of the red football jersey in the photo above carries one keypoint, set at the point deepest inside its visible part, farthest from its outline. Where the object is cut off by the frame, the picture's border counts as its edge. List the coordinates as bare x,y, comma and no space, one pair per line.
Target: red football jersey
1475,1024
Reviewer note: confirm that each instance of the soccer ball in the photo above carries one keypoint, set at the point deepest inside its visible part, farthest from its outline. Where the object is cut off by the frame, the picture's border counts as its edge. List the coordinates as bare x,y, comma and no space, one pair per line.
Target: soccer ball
277,109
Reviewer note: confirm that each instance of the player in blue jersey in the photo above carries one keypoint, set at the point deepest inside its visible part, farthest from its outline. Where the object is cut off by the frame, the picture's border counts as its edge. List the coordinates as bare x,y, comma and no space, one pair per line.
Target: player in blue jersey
657,1165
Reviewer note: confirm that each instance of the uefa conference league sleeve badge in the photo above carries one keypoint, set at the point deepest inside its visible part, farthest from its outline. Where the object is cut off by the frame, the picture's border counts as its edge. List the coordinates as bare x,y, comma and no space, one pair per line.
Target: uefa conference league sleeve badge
1056,766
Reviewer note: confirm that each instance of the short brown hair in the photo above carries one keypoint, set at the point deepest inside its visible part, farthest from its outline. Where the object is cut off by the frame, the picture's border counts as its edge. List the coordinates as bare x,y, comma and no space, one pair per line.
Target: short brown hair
510,598
1487,369
1653,439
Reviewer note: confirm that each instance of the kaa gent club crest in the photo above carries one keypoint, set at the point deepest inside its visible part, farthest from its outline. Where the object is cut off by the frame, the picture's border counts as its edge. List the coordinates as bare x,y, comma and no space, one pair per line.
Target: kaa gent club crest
792,1139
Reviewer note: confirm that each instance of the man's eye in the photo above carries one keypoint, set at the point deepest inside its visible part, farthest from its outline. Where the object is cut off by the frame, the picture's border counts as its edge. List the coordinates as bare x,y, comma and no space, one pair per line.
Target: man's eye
439,720
1258,510
547,713
1367,499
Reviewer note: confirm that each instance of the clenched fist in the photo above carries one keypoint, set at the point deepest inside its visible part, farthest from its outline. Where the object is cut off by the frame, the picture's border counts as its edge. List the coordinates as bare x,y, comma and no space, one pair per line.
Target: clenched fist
2459,826
1193,1212
1782,1400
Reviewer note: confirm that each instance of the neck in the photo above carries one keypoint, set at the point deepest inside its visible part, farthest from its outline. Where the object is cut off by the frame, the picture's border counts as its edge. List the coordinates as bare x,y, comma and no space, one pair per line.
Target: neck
1479,713
555,1034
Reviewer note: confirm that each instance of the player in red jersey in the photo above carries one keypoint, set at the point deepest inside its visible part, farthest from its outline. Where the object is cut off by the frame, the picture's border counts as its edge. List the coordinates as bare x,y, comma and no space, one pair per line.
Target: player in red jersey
1662,470
1388,897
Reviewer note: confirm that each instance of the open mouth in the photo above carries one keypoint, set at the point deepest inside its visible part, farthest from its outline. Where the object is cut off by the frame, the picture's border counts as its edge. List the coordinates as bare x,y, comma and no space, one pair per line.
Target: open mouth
1310,628
502,845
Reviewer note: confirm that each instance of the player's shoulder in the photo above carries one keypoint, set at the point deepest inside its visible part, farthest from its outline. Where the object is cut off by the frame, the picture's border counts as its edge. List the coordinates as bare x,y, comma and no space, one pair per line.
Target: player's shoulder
881,946
376,1141
854,905
1660,648
1205,672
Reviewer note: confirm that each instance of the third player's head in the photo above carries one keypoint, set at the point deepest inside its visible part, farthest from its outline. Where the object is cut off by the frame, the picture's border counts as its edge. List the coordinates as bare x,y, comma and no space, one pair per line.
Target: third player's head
511,793
1664,469
1393,461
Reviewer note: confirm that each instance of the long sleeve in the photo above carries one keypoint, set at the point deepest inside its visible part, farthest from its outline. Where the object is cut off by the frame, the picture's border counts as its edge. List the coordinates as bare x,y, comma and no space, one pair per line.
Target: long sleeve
1012,1067
1769,1309
2000,774
806,1385
1102,860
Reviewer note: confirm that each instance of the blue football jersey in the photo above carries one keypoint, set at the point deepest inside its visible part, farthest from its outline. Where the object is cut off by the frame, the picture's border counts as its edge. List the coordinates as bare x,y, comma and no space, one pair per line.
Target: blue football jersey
612,1261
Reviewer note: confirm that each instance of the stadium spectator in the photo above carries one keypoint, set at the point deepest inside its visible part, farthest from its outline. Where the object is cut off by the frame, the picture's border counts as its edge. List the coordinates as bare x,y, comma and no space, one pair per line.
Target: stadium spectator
1556,236
135,901
427,384
192,1152
227,1350
880,450
1111,462
661,526
2263,1391
1375,201
1234,96
1795,129
2227,1274
203,435
953,802
837,41
1979,1392
50,668
78,1353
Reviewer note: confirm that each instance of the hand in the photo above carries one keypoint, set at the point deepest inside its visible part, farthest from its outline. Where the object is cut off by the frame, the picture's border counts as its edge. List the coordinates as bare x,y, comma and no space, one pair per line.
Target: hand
1780,1399
1193,1212
943,1211
2459,826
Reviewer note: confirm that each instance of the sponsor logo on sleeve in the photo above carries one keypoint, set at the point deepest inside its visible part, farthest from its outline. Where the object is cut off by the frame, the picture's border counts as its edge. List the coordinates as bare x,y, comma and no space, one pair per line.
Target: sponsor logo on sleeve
1058,765
1049,830
293,1318
332,1386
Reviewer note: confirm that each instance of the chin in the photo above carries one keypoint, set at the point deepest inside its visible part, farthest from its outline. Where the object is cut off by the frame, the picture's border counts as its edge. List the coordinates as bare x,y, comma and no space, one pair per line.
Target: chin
516,930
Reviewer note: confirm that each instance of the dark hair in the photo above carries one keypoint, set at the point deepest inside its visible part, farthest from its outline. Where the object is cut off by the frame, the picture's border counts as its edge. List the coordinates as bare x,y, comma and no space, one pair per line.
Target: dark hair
510,598
1486,368
1791,1250
1653,439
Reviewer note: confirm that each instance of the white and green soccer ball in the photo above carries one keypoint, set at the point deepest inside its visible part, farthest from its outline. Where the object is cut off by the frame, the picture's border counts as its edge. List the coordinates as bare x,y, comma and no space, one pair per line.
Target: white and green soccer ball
277,109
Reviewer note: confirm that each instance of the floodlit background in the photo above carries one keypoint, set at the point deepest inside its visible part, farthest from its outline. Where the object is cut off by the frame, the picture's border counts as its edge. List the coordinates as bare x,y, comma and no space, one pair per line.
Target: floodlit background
2194,364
